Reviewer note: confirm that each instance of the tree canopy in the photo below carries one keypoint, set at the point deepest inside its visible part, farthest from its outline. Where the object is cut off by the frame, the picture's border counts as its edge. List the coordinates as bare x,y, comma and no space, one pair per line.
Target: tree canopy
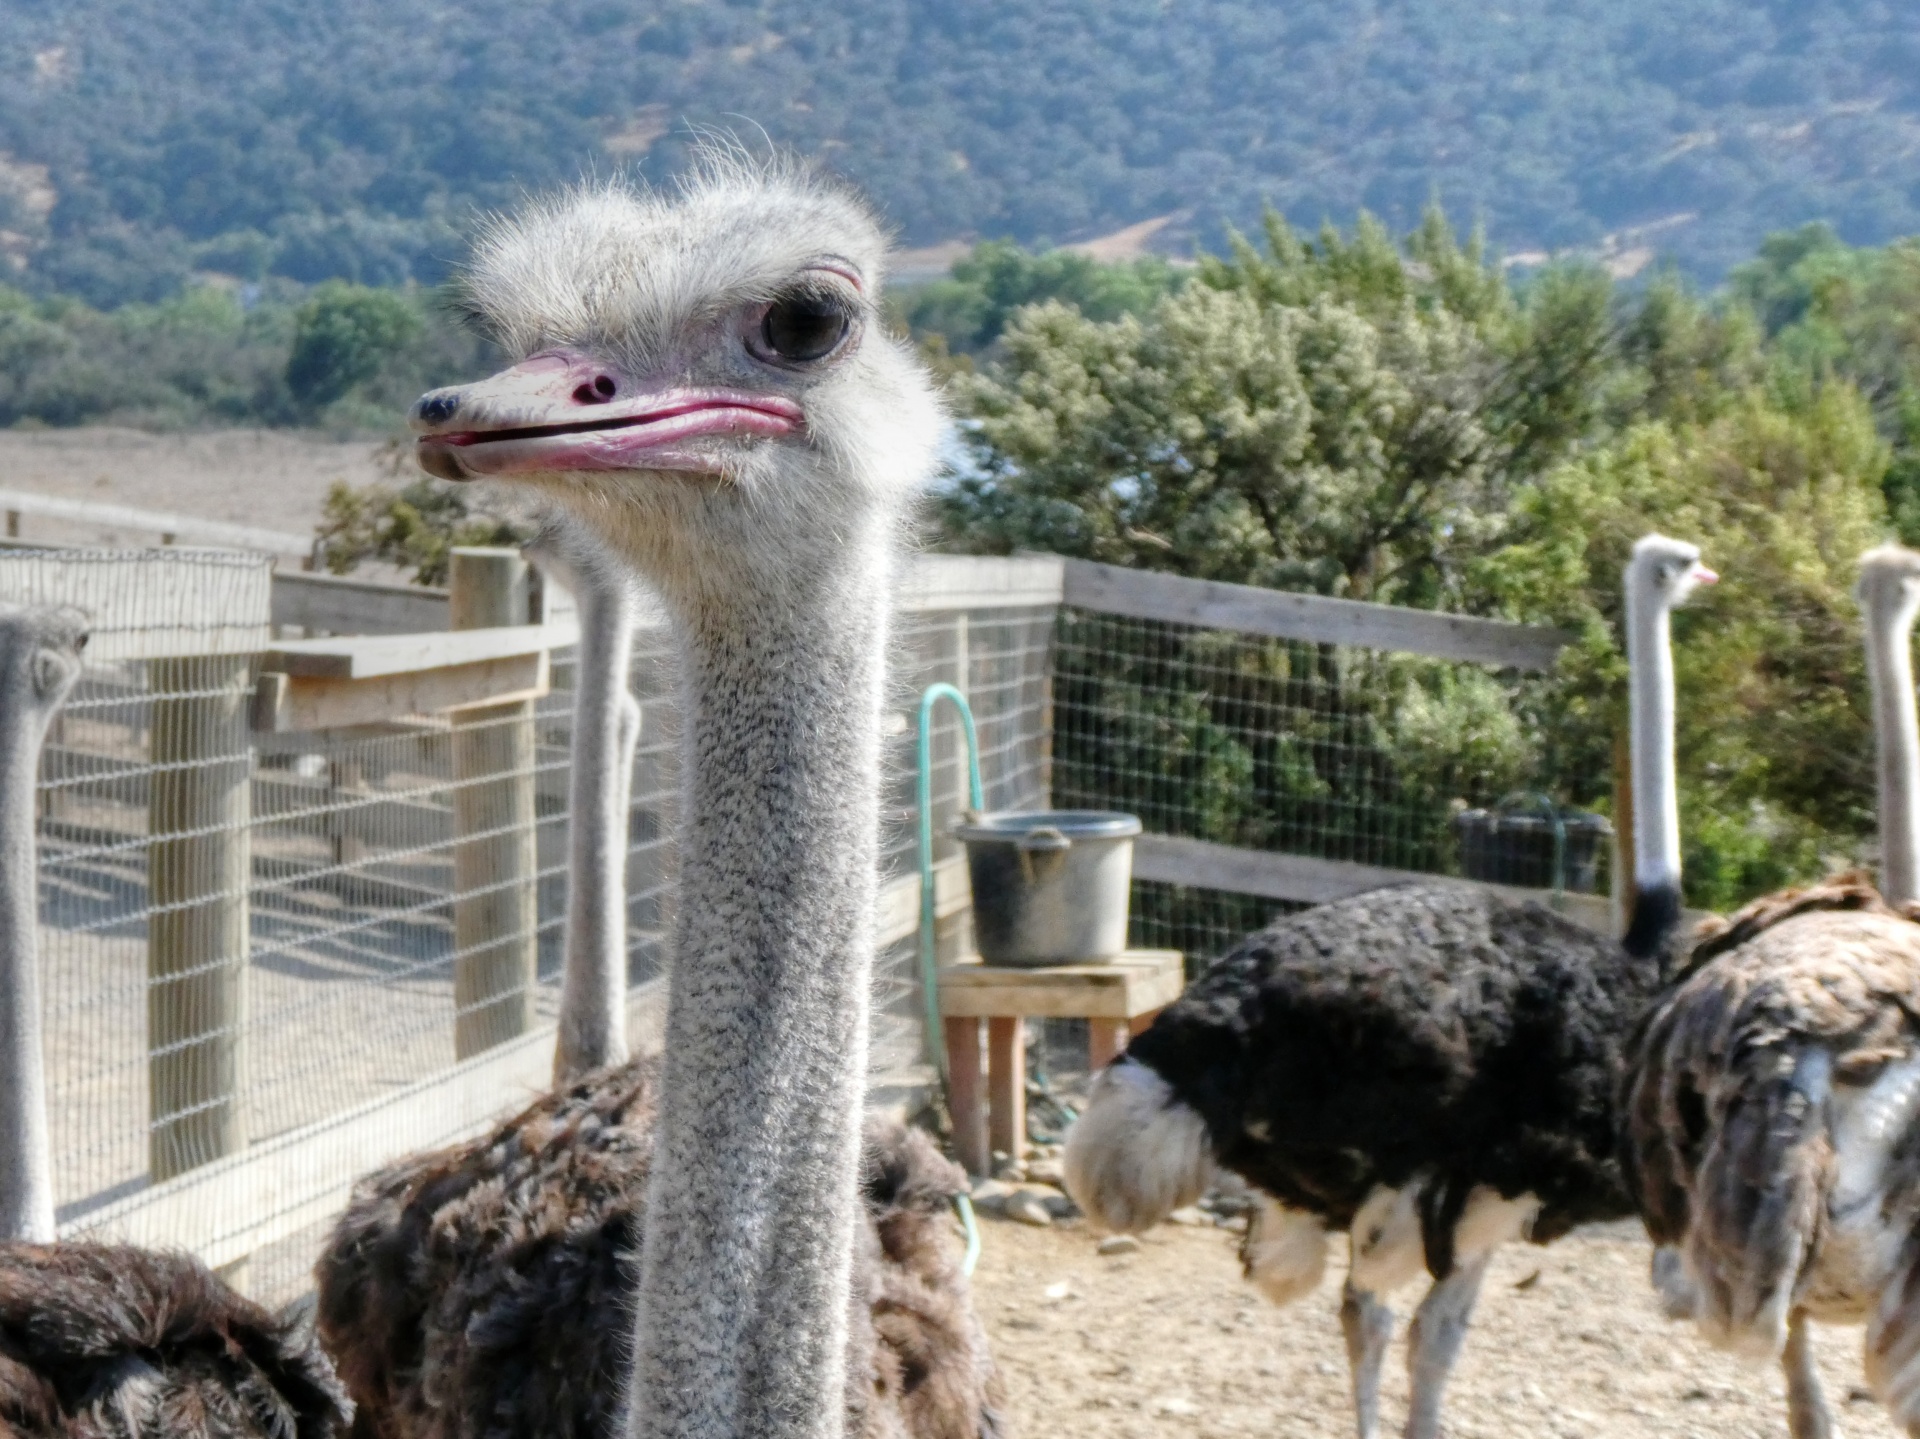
144,140
1397,421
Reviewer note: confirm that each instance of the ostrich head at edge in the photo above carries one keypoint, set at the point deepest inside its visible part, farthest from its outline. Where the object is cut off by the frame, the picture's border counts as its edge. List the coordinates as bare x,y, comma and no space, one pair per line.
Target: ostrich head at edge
703,376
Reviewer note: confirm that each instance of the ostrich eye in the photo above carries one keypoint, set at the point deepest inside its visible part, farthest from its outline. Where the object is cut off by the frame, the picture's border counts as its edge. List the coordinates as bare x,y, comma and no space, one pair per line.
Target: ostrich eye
804,327
49,671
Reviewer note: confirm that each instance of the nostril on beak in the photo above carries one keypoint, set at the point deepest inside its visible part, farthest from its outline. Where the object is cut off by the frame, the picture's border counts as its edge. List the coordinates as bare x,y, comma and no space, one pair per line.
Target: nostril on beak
437,409
598,393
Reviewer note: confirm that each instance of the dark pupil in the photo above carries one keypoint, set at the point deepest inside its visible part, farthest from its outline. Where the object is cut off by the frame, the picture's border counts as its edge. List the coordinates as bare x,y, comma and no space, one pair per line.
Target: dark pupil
803,329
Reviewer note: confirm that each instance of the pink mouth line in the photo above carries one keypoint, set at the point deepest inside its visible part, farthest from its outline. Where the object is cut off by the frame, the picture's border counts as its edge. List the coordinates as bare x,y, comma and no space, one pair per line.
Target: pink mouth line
655,439
719,415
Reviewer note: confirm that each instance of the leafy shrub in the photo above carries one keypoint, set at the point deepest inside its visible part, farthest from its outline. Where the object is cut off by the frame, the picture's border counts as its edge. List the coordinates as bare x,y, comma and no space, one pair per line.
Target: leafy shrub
413,528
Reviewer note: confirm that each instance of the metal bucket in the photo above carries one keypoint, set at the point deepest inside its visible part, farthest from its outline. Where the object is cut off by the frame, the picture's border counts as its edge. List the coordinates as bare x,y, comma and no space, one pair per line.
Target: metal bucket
1050,887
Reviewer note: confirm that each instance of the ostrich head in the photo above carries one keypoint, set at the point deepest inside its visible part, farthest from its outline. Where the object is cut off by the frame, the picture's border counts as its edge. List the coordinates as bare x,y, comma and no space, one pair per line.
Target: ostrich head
703,377
39,662
1889,587
1665,571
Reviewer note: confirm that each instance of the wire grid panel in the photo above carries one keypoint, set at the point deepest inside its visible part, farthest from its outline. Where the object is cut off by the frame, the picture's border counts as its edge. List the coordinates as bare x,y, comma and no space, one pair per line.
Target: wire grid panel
998,658
1329,751
139,782
265,945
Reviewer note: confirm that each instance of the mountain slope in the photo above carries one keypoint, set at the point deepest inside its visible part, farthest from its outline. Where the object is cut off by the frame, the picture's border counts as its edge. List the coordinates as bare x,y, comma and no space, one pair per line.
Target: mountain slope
354,138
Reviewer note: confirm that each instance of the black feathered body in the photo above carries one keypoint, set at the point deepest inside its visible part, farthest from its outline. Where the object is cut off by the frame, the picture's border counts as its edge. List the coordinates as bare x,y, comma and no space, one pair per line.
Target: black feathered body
1437,1033
487,1289
112,1342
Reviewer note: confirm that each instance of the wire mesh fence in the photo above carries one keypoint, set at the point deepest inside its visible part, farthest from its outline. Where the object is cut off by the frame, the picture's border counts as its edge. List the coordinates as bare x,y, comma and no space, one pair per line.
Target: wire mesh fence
285,958
1332,752
253,938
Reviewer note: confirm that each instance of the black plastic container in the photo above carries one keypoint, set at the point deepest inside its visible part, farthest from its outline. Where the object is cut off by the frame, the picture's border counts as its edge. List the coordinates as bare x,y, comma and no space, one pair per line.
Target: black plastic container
1513,843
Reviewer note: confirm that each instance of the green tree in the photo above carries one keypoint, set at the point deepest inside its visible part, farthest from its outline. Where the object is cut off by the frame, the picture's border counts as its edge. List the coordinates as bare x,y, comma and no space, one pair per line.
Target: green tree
342,337
1335,415
969,308
1783,492
412,528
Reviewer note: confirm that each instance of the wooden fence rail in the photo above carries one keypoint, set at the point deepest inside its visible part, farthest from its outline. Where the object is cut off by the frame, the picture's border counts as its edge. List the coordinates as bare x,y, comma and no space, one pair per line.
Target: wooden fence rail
1283,614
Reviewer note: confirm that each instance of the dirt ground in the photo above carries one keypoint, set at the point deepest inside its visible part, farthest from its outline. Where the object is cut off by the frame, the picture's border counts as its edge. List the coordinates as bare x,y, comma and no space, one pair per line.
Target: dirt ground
1169,1341
274,479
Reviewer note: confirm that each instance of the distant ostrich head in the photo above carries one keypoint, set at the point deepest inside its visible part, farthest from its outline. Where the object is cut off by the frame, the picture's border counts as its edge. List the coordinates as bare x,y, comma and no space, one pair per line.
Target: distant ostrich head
704,377
1889,587
1889,595
1666,571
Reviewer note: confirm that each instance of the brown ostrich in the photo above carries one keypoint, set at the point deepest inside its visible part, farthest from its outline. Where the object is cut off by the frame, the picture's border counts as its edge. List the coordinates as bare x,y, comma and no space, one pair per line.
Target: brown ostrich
106,1341
488,1288
707,391
1770,1106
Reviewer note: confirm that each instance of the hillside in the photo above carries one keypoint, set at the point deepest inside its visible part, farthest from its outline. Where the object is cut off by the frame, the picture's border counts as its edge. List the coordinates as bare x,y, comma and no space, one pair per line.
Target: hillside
144,139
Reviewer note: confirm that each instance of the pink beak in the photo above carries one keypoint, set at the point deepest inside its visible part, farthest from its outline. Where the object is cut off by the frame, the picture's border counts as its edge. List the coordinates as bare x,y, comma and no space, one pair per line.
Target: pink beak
567,413
1704,576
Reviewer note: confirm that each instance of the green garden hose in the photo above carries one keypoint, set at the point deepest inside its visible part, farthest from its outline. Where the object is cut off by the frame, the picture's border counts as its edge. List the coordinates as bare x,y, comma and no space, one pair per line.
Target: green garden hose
929,961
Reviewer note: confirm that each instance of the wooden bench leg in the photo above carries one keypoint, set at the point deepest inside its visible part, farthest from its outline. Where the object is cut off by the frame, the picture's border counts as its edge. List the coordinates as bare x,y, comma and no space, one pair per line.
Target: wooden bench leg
1106,1038
967,1094
1007,1086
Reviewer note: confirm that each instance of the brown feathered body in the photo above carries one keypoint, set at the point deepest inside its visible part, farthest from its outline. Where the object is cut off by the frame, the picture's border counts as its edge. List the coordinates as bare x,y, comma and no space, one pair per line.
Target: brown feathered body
109,1342
1770,1128
487,1289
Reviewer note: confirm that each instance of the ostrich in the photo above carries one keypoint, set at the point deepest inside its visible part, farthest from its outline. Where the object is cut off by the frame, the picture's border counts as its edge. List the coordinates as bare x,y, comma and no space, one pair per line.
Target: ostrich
106,1341
1429,1067
1770,1102
606,727
708,391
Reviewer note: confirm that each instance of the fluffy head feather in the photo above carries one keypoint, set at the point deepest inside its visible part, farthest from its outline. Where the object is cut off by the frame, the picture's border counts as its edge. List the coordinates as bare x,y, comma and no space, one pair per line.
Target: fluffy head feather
658,295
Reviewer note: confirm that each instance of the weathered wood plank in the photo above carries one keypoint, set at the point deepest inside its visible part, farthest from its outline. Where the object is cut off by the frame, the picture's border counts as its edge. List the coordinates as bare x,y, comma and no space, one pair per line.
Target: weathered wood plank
285,703
360,657
979,582
343,605
1168,859
1211,604
1137,982
899,907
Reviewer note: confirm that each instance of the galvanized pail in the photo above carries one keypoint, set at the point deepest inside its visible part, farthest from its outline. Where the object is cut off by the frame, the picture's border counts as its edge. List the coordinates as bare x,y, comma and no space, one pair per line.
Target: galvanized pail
1050,886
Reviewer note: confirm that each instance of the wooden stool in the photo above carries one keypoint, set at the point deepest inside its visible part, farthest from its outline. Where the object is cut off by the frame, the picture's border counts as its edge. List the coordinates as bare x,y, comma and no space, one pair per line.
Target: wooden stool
1118,998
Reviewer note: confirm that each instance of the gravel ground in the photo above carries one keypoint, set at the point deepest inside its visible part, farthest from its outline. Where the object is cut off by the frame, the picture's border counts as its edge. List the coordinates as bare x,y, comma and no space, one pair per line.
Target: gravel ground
1170,1342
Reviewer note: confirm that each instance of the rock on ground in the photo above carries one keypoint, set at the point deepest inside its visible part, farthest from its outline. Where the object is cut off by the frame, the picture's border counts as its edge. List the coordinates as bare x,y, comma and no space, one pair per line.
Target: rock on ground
1169,1341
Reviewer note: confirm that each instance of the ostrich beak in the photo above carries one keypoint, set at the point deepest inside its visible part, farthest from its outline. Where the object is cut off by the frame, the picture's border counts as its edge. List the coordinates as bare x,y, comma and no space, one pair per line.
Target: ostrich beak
561,412
1704,576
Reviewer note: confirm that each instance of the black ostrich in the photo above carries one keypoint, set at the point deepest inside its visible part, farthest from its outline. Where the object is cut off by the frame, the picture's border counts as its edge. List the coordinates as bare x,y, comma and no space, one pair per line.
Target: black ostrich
105,1341
1429,1067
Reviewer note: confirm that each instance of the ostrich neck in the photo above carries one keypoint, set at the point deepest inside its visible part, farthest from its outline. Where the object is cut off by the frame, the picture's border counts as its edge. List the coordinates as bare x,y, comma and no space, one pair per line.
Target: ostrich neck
745,1265
26,1154
1897,743
1656,804
606,725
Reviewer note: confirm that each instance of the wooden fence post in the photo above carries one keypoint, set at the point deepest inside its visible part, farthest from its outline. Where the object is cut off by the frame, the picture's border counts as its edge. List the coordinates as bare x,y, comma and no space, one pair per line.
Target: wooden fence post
199,869
496,909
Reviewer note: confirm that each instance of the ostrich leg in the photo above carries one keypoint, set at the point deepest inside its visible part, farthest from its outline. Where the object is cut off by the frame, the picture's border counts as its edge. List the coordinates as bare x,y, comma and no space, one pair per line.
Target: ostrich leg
1433,1342
1807,1413
1369,1326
